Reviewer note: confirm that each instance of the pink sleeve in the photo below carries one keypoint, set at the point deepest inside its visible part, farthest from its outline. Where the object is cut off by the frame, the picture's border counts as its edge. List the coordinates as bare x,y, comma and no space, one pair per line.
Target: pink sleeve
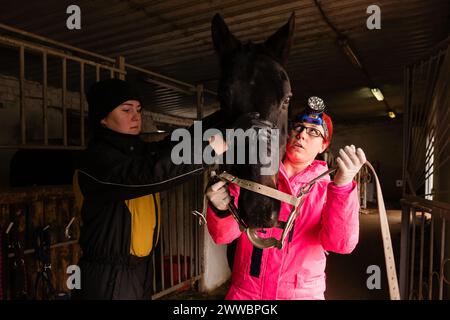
340,218
224,230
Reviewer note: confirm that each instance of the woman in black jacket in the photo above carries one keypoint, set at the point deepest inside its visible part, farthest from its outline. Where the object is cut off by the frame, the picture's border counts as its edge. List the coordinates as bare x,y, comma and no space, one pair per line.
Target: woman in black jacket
115,186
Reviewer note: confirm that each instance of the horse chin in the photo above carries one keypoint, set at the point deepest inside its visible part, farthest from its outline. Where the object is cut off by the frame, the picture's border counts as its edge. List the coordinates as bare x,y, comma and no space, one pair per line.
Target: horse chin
258,211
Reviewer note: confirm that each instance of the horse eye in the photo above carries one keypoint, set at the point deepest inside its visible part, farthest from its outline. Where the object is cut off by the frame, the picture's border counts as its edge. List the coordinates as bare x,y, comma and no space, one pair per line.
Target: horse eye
286,101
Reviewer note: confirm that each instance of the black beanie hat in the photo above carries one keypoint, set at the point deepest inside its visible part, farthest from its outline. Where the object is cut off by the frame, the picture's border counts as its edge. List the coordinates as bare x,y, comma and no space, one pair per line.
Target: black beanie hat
104,96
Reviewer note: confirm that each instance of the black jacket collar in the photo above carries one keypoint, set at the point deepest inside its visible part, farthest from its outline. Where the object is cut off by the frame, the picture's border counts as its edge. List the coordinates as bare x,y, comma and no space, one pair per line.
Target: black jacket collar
126,143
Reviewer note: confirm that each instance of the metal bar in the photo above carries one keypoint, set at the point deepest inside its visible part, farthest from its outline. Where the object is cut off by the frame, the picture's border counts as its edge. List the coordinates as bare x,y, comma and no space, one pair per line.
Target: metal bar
63,45
163,229
175,288
430,262
50,51
63,95
200,101
111,74
442,72
120,64
404,251
170,205
39,146
154,270
441,269
185,237
44,97
22,95
426,117
405,132
423,177
196,229
428,205
97,73
422,236
191,229
177,232
413,244
82,135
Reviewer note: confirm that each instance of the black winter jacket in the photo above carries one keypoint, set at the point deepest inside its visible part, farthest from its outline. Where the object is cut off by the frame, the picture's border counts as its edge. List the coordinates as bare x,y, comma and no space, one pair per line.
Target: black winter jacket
116,187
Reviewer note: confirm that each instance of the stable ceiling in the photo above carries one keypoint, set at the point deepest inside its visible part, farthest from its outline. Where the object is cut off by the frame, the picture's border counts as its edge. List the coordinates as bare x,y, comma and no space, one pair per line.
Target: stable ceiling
173,37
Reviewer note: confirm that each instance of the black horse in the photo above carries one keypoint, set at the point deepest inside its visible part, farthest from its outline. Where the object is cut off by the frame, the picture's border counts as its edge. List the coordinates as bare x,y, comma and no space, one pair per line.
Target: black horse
253,79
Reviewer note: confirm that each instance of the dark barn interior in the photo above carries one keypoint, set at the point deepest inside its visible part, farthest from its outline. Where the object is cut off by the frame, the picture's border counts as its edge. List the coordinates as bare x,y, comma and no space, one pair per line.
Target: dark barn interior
164,47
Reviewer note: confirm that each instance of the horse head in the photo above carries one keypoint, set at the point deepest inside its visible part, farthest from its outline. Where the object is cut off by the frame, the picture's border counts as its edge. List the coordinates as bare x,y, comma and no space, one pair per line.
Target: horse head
253,79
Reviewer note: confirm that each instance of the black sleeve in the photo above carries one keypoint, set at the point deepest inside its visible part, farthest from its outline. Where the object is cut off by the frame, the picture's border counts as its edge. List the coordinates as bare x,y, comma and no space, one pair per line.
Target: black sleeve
111,173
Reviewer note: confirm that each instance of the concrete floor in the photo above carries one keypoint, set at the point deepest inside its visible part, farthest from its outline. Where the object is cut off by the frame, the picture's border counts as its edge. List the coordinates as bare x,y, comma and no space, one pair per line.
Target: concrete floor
346,274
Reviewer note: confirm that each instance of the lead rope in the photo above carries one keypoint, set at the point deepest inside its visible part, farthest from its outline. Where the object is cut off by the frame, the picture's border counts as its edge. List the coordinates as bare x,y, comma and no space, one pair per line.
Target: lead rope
391,272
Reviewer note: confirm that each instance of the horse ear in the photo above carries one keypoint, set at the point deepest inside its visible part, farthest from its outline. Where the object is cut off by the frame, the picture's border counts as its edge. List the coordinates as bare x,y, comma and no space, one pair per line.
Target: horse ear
224,41
279,44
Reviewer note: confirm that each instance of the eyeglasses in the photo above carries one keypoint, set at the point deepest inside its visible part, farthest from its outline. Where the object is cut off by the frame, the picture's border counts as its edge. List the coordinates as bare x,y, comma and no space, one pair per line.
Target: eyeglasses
313,132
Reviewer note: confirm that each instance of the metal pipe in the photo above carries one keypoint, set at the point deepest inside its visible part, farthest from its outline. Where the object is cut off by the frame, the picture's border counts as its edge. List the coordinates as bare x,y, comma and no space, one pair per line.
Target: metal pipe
82,135
57,43
430,262
185,237
441,269
22,95
175,288
63,95
200,101
404,251
97,73
170,205
163,229
413,244
37,48
44,97
422,237
177,233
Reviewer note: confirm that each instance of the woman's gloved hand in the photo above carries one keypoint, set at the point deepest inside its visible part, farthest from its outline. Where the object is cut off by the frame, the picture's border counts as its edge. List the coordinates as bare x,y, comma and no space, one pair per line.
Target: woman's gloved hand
349,162
217,194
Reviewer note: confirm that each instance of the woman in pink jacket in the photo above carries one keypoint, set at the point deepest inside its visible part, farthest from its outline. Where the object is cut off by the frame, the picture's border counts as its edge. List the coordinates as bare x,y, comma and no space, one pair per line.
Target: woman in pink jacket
328,220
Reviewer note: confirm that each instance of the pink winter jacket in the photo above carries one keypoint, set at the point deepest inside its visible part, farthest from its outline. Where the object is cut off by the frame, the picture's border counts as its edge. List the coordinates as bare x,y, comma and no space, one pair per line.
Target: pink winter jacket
328,221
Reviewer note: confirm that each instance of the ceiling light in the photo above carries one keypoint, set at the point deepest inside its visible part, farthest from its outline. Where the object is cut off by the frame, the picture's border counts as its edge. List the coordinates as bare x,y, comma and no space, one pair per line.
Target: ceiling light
377,94
391,114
